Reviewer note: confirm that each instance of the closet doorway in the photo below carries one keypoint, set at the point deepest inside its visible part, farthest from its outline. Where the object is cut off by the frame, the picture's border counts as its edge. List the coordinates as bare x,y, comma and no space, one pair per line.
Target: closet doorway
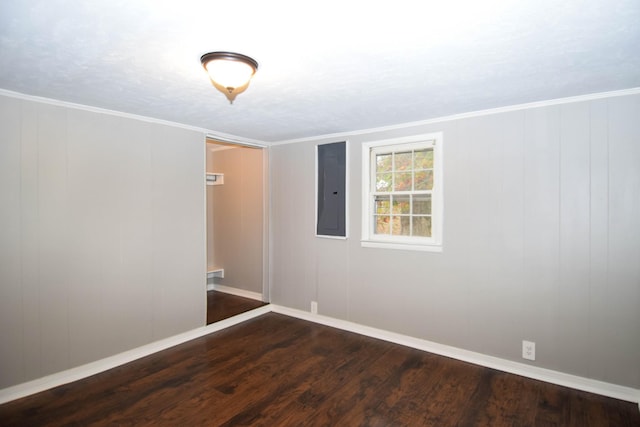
236,227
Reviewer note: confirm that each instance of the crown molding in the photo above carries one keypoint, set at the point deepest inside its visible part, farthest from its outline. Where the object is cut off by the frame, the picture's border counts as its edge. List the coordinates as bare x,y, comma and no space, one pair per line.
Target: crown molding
209,134
479,113
233,139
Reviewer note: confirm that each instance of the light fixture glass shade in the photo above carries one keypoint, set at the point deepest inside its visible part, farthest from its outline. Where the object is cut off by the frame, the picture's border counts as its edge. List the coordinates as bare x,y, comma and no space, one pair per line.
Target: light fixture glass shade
229,72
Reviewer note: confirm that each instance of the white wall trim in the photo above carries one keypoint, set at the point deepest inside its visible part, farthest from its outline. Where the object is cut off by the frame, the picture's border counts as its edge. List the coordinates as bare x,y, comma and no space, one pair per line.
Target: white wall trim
209,134
517,107
220,136
235,291
74,374
554,377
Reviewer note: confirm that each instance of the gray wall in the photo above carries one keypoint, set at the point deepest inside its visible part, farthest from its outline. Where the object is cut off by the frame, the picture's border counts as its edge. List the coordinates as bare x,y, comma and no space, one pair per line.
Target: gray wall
235,216
541,241
102,239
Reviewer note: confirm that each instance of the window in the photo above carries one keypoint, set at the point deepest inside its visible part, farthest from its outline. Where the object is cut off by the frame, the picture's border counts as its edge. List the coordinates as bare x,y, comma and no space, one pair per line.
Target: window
402,193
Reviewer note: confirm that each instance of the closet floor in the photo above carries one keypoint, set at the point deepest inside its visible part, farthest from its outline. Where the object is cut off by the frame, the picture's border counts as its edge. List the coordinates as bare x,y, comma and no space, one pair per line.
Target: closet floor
222,306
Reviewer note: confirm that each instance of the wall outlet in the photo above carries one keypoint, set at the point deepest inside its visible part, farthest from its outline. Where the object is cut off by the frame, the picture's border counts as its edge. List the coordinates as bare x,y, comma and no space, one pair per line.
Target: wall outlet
314,307
529,350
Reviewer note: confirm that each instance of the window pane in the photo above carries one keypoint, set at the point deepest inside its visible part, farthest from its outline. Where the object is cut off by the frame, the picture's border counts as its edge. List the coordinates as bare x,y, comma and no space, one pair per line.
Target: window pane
405,226
424,180
422,226
396,225
382,224
403,161
424,159
402,181
401,205
422,204
383,181
383,163
383,205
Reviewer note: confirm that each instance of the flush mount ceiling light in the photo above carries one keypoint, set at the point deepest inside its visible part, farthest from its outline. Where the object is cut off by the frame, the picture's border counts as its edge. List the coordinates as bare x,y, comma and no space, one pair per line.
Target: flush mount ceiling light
229,72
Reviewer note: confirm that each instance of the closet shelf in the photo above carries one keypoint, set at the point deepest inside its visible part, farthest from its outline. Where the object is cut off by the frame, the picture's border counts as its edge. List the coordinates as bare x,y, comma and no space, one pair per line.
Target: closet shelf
215,272
215,178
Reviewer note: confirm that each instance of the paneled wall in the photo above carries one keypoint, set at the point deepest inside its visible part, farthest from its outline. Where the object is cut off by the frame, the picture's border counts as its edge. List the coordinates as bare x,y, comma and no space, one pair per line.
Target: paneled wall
102,236
541,241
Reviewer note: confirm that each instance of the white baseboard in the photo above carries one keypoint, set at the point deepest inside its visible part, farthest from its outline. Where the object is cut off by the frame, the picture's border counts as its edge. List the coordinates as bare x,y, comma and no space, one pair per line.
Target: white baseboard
74,374
554,377
234,291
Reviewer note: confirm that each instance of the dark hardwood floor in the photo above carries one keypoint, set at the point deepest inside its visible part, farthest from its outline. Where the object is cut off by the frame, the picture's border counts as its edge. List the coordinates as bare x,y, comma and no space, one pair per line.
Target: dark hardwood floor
222,306
279,371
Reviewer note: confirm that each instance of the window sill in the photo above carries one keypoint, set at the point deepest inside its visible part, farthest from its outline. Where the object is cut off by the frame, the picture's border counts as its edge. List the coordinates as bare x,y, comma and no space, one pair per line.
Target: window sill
401,246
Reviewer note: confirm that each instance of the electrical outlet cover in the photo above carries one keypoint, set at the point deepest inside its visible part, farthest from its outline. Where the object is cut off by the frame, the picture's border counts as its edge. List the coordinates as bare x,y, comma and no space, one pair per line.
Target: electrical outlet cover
529,350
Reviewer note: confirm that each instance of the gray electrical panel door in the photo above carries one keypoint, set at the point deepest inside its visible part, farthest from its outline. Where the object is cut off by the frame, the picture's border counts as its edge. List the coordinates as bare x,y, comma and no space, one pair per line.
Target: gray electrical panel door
332,189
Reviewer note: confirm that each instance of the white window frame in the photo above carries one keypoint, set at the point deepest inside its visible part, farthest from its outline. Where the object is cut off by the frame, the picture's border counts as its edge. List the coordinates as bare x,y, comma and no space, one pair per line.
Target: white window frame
369,238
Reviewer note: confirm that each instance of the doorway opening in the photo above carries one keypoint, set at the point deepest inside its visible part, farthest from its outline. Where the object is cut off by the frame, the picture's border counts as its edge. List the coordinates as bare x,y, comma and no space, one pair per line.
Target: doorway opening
236,228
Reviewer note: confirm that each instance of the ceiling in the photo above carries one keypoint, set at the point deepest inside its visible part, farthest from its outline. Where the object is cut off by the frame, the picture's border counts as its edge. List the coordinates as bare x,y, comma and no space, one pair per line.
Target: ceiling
326,67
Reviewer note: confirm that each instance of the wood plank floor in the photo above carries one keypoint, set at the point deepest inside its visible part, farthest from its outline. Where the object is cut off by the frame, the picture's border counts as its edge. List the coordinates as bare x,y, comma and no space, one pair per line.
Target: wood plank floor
279,371
222,306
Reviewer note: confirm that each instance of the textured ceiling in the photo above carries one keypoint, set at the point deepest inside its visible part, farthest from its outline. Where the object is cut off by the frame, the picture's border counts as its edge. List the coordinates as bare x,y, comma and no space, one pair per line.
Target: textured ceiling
325,67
